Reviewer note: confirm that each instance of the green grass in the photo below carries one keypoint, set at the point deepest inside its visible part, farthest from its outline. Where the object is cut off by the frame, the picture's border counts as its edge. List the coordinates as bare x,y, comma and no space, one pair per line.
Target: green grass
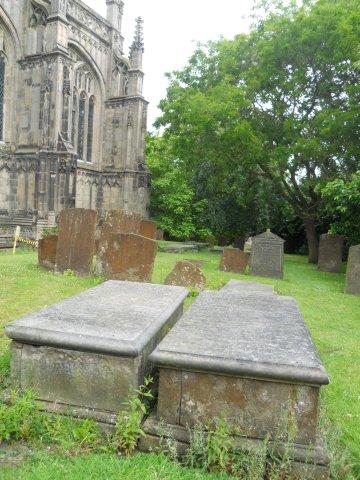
102,467
332,316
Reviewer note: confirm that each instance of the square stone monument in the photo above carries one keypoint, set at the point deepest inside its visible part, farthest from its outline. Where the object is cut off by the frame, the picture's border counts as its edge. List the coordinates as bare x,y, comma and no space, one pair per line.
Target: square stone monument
249,357
267,256
83,355
330,253
353,271
76,244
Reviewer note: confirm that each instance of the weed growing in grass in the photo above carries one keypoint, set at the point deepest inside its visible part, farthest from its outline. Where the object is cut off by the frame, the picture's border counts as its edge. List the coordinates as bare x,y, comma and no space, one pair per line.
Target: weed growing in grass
128,424
4,368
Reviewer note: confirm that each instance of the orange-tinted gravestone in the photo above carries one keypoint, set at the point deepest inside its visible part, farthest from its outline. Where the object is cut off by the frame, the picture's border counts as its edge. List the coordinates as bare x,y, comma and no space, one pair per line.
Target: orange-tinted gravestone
129,257
47,251
115,222
76,240
186,274
234,260
148,229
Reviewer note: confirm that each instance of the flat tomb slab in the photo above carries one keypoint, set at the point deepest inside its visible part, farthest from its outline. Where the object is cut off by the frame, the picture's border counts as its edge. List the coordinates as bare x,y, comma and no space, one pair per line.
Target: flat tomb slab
240,286
249,356
89,350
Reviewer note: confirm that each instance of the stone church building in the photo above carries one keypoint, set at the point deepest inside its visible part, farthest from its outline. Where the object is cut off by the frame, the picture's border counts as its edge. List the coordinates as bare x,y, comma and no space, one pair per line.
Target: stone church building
72,113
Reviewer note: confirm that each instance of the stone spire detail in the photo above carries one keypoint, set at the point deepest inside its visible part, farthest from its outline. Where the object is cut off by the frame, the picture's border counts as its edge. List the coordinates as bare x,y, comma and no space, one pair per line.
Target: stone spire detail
137,47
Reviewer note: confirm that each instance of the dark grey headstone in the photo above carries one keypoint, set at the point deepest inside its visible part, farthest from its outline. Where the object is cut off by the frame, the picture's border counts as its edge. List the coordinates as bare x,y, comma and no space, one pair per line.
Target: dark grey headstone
267,256
258,335
353,271
330,253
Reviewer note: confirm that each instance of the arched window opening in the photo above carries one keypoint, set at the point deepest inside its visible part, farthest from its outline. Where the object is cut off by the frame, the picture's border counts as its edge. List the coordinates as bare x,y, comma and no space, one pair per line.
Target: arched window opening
66,103
36,32
2,89
73,118
81,127
90,129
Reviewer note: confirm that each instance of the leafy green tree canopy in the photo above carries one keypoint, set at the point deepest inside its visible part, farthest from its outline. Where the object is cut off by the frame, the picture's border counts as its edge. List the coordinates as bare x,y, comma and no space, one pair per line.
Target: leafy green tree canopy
282,101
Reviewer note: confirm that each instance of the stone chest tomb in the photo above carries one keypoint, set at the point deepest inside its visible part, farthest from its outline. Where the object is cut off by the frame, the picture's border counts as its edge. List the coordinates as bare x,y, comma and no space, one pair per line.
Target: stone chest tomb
248,357
267,256
83,355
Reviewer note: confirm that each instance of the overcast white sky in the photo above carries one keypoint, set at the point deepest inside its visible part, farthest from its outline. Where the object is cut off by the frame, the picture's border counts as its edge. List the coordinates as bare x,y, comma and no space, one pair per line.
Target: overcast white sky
171,30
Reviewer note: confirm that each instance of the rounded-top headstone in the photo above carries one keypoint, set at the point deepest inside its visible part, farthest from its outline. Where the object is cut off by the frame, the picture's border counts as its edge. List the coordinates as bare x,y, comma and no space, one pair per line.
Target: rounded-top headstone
186,274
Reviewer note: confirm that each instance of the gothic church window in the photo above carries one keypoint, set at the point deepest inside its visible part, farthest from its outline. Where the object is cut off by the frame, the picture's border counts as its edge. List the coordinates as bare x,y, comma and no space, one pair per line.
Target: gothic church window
37,29
90,128
84,109
81,125
73,118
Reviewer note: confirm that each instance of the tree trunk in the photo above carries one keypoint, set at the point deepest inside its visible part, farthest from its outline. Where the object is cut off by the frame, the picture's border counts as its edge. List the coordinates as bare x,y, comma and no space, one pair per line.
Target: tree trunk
310,228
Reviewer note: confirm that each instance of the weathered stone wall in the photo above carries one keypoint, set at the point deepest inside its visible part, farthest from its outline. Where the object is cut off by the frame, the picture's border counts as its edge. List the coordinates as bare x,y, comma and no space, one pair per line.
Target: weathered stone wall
74,116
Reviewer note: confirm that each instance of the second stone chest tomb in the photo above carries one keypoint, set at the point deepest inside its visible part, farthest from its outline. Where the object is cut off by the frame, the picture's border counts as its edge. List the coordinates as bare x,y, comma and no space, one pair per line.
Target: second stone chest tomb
247,356
84,355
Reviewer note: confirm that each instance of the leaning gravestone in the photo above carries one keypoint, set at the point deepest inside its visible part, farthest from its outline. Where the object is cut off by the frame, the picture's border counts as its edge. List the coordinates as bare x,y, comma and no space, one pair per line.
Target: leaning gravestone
330,253
76,242
353,271
267,256
47,248
234,260
249,358
129,257
186,274
148,229
115,222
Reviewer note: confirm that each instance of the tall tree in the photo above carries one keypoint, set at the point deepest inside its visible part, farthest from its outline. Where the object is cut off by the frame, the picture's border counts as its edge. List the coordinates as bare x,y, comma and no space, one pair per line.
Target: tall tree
284,98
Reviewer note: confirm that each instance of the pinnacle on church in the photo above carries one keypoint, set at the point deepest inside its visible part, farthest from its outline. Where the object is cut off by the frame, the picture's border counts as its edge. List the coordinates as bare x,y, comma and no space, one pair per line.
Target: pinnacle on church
138,43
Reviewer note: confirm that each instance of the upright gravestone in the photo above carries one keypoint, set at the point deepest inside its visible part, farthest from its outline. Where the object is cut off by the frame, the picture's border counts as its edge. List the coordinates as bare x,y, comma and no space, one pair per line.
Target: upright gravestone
330,253
148,229
353,271
86,354
129,257
247,357
115,222
234,260
47,248
76,242
267,255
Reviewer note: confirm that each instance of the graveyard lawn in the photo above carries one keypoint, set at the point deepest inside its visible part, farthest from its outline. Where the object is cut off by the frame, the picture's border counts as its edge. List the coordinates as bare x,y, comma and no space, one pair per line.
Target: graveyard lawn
332,316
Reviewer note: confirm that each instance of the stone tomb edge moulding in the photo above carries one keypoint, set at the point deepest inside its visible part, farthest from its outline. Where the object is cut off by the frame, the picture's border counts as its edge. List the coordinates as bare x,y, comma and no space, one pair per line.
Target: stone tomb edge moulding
249,357
83,355
267,256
